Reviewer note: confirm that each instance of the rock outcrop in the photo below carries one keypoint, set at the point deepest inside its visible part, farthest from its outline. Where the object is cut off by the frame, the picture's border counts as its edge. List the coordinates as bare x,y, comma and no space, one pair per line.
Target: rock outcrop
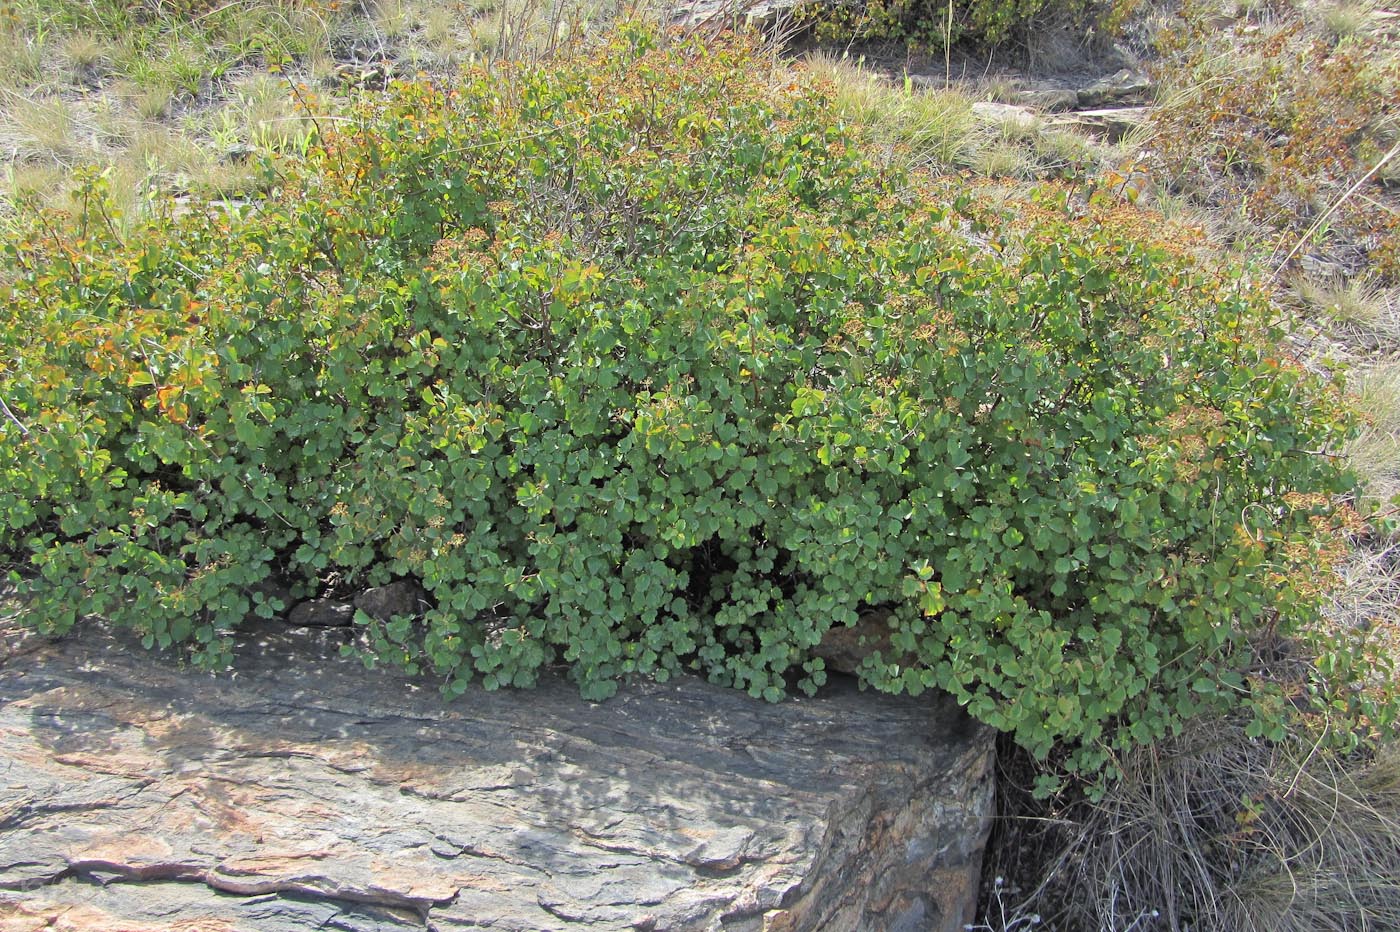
765,16
1122,86
305,792
1113,123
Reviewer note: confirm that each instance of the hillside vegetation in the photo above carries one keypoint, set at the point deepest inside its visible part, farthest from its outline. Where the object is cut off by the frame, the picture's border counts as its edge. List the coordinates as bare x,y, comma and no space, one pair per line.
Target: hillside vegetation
648,353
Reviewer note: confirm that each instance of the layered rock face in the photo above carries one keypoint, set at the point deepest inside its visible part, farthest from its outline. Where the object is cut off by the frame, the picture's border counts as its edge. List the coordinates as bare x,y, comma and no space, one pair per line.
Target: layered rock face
305,792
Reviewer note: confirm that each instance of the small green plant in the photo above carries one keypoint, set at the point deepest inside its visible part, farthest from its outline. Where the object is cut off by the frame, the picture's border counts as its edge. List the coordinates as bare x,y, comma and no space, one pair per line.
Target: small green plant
640,364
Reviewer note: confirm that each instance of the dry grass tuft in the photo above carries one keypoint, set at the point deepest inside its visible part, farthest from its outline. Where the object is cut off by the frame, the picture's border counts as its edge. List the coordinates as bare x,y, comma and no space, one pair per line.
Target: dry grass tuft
1375,455
21,60
1064,151
392,18
169,160
44,129
84,56
268,110
1347,18
1358,305
1214,830
936,126
150,103
447,35
31,183
1368,595
1378,395
1016,127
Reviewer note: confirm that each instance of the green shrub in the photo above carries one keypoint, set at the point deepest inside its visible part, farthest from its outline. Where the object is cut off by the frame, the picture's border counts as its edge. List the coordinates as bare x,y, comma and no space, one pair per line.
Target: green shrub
934,24
637,364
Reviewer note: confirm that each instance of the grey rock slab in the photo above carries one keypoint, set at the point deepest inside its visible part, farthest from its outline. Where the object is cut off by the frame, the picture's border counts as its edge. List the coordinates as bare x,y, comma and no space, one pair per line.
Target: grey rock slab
85,905
1123,85
321,613
403,597
1113,123
992,112
303,791
763,15
1048,98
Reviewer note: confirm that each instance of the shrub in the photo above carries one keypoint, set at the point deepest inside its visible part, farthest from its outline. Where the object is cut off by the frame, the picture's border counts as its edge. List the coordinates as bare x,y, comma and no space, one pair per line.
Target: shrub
979,22
637,364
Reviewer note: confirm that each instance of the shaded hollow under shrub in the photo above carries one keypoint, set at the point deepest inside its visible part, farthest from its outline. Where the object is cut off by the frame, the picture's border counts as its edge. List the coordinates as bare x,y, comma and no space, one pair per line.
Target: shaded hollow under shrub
638,364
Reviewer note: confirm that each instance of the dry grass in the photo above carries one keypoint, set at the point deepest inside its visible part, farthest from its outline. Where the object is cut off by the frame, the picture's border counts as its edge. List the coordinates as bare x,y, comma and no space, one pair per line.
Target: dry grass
169,160
447,35
1387,134
1368,595
944,128
150,103
1003,160
1215,831
1375,456
21,60
935,127
1277,118
270,118
31,183
391,19
998,88
1063,151
84,57
1357,306
164,99
45,129
1378,395
1347,18
1016,127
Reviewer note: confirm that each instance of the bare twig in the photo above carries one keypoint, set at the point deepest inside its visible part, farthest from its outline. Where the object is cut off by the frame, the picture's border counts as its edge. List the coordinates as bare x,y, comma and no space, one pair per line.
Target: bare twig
11,415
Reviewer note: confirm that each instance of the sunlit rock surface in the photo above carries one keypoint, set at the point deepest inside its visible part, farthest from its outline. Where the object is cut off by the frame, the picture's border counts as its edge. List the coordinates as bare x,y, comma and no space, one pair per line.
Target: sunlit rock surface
305,792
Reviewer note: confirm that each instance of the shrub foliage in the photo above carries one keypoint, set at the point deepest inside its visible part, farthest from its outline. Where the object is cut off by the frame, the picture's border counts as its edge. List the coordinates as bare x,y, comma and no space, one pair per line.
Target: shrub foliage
638,364
935,24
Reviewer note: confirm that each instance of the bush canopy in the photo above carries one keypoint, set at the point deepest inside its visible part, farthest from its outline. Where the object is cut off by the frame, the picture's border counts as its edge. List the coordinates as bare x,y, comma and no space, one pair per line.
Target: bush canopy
641,363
